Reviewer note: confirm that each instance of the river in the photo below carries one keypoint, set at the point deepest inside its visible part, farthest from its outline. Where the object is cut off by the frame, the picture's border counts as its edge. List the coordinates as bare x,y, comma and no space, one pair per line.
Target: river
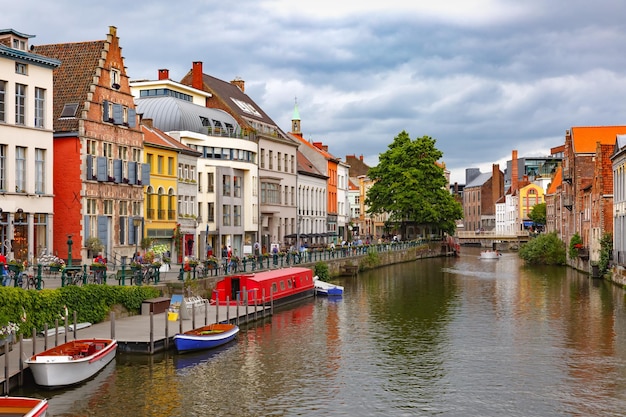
435,337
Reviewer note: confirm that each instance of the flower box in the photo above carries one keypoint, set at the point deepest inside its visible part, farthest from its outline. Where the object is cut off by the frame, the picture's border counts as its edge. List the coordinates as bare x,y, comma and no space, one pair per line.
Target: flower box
98,267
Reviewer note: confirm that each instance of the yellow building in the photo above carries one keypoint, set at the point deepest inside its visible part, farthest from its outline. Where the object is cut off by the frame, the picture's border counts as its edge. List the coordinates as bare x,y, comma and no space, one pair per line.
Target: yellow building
172,192
529,196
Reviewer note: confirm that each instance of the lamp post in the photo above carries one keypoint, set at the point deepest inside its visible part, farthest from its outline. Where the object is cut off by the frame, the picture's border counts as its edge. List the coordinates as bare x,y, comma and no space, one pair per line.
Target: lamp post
136,223
69,250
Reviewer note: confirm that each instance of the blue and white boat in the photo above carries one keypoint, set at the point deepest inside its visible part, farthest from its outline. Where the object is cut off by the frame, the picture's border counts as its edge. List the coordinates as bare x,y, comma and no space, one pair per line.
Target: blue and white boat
206,337
326,288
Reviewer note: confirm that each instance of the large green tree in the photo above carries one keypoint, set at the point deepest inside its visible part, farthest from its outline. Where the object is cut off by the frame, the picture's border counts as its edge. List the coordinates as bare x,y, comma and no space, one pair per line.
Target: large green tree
410,185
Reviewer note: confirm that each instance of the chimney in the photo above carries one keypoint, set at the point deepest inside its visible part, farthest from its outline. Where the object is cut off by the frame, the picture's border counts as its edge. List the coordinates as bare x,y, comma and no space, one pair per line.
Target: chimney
196,75
497,186
361,157
164,74
318,145
239,83
147,122
514,171
325,148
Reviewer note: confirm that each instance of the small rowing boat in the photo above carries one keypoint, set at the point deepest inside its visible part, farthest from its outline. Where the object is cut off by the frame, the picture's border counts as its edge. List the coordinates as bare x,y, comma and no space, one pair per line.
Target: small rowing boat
23,406
206,337
71,362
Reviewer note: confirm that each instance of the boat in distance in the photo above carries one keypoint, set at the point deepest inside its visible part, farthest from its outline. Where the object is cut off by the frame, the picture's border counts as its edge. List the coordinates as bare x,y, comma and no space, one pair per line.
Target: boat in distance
490,254
23,406
71,362
206,337
278,285
326,288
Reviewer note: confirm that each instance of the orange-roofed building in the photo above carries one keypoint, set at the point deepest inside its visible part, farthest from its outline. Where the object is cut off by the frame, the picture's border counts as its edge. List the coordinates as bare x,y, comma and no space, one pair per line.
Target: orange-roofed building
554,219
584,195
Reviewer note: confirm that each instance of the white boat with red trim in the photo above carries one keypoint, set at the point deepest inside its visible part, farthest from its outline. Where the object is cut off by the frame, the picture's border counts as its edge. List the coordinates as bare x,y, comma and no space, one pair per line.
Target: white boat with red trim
71,362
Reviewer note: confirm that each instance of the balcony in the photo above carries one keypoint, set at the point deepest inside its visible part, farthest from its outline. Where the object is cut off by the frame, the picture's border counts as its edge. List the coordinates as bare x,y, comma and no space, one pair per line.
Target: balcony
583,253
567,175
568,202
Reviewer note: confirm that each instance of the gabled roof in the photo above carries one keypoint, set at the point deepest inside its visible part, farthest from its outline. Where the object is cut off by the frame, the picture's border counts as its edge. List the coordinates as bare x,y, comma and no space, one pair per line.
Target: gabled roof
235,97
306,167
72,80
584,138
556,181
480,180
357,166
158,138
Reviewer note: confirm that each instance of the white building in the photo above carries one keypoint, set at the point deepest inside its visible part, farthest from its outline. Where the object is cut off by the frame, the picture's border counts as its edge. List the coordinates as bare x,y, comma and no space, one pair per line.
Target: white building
26,164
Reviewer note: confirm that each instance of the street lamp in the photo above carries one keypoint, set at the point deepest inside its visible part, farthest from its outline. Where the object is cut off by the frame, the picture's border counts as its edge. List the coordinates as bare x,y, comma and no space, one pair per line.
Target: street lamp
136,223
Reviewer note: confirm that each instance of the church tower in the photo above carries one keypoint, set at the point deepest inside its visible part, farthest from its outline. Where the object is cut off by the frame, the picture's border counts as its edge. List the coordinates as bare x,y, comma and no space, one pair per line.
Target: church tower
295,121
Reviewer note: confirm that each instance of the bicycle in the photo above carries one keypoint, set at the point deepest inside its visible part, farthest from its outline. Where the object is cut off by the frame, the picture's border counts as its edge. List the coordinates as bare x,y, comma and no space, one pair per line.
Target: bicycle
30,281
96,277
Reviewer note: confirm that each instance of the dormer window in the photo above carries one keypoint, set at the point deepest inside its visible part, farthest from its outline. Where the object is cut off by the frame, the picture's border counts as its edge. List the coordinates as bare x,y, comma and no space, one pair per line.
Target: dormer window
19,44
115,79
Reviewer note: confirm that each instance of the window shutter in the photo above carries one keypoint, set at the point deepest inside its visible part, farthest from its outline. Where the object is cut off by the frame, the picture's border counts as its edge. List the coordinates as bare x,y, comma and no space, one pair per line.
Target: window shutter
145,174
122,231
117,114
117,170
132,233
105,111
132,118
86,228
102,174
132,172
103,231
89,167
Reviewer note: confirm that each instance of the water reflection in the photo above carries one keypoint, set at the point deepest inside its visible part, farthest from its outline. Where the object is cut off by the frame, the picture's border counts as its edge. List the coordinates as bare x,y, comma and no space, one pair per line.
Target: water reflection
453,337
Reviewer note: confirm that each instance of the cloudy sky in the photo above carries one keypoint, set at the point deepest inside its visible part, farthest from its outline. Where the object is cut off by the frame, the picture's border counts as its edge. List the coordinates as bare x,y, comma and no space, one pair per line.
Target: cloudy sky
482,77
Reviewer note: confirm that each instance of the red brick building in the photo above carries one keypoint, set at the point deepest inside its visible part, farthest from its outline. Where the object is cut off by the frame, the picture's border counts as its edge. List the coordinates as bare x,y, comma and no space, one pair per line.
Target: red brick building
99,177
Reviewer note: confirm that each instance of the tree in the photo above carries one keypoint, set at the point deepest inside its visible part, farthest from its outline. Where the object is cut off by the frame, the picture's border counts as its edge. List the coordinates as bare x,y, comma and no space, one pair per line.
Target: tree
546,249
538,214
410,186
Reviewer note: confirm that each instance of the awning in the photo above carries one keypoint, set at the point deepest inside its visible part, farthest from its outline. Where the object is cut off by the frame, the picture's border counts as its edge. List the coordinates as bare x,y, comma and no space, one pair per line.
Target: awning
528,223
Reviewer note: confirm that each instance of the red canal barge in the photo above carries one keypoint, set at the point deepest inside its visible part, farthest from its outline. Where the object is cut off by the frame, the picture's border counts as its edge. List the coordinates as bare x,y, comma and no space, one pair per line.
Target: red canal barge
279,285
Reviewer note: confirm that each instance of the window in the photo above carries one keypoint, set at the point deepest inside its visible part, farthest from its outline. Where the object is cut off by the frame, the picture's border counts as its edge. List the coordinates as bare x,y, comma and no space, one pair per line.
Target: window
3,167
123,212
149,161
226,215
69,111
226,185
270,193
3,86
270,163
92,218
40,105
20,104
107,207
279,161
91,147
115,79
20,169
170,166
19,44
21,68
210,183
262,158
237,186
160,164
237,215
40,171
211,212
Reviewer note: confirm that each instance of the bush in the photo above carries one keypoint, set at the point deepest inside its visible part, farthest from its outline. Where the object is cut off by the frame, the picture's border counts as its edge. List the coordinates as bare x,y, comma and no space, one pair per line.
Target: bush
322,271
546,249
574,244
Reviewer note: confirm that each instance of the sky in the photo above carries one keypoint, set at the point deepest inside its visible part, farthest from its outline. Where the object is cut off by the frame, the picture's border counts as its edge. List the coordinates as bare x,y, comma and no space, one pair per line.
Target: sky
481,77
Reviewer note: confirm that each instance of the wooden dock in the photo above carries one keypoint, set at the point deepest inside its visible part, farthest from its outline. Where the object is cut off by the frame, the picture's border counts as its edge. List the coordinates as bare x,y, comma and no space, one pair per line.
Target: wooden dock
142,334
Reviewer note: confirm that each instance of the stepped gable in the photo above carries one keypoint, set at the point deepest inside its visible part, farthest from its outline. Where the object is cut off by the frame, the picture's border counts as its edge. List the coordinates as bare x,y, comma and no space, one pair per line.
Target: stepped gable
73,78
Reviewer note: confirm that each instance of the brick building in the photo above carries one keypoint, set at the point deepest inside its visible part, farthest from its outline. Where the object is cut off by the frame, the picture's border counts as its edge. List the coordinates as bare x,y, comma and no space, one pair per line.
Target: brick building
99,177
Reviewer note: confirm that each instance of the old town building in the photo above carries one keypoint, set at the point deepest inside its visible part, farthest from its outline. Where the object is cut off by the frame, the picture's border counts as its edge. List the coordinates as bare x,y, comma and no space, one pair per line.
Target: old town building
100,178
26,148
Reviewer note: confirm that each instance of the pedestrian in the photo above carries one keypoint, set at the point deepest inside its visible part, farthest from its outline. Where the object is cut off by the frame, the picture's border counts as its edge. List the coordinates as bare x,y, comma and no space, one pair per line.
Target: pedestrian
6,278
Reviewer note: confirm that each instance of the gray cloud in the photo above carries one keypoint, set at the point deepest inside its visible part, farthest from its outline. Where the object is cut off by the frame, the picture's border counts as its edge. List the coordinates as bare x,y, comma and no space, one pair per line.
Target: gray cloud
482,78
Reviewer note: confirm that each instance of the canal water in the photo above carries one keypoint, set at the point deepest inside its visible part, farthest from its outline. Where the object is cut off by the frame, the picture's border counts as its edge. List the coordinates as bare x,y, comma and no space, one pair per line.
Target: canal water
436,337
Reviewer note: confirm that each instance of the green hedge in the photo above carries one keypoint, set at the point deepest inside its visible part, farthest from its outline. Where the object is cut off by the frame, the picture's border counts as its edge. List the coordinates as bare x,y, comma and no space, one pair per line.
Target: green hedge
92,304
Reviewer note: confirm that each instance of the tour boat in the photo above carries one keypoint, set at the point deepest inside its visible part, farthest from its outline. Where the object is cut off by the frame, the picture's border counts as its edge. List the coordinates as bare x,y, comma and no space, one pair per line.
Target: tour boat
206,337
71,362
490,254
326,288
23,406
278,285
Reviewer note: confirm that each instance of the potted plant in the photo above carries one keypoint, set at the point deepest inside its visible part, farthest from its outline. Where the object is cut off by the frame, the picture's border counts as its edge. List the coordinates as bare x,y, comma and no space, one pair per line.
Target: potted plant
98,266
16,265
8,330
94,245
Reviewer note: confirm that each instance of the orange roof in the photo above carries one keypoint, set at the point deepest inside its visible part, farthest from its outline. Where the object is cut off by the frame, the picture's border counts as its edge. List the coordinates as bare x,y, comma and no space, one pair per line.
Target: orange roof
584,138
556,181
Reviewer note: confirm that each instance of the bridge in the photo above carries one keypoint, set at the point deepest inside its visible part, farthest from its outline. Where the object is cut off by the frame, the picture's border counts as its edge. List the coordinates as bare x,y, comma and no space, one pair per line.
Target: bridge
490,238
